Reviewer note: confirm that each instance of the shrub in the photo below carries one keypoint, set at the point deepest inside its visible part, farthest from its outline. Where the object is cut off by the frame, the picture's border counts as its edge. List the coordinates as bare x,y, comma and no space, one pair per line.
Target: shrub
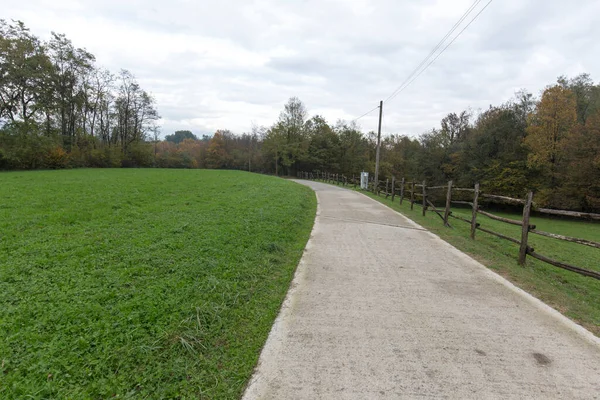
57,158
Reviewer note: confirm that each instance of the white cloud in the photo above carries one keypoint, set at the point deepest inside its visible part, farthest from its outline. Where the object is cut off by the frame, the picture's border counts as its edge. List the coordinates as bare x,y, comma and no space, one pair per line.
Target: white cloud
226,64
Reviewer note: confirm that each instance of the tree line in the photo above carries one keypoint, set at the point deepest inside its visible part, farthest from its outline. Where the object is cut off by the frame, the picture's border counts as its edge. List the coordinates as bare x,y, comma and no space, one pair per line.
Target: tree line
58,109
549,144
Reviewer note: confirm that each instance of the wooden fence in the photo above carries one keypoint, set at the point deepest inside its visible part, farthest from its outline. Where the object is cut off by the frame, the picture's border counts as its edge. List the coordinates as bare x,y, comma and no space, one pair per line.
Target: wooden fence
412,190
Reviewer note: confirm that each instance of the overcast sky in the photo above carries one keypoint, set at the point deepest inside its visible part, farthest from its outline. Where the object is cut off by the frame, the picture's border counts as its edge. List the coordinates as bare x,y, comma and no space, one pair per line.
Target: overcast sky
229,63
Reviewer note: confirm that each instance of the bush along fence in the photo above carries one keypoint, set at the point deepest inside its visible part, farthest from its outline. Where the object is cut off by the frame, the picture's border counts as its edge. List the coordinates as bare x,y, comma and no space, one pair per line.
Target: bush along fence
418,193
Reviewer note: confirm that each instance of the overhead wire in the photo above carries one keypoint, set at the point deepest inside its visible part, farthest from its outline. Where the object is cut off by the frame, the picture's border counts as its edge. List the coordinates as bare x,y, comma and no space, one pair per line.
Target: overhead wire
401,89
418,71
460,20
365,114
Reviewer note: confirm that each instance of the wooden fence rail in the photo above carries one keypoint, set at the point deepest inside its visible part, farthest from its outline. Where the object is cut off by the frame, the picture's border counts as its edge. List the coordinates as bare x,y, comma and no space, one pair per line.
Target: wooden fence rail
566,238
575,214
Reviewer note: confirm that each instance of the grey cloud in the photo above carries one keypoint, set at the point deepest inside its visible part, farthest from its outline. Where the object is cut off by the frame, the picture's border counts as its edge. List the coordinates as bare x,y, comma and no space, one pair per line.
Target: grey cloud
340,56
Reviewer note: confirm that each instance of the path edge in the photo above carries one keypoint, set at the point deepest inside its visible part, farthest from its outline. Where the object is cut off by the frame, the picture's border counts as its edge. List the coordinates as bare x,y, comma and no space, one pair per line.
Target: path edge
271,345
537,303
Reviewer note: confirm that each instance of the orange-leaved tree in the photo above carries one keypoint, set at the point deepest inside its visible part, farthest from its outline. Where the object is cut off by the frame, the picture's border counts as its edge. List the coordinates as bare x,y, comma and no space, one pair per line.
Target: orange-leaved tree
550,124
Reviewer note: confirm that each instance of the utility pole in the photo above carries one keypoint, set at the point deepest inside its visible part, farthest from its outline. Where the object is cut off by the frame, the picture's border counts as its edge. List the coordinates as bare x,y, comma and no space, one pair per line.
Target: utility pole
378,146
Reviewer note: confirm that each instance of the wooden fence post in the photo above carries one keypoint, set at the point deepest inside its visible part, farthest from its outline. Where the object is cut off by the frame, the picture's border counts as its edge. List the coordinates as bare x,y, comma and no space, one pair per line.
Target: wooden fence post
424,198
393,188
474,215
448,202
525,229
412,195
401,190
387,187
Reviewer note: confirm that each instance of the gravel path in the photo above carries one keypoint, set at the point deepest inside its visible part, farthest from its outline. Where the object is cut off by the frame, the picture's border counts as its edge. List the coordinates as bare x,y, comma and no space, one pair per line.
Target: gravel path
382,309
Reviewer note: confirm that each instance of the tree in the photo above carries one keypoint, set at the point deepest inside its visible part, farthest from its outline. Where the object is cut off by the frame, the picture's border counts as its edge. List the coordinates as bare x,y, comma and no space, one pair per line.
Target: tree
323,152
433,155
291,126
273,146
193,152
53,98
218,154
402,154
135,112
580,176
180,136
253,143
455,127
25,67
494,154
101,99
587,96
550,124
72,69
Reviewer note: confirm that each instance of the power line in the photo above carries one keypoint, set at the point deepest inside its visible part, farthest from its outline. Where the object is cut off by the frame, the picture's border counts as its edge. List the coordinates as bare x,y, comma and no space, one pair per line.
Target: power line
401,89
461,19
365,114
408,80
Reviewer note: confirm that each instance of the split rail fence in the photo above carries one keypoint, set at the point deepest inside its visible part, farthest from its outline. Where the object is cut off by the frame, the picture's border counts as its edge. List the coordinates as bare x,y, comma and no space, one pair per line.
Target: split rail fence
418,193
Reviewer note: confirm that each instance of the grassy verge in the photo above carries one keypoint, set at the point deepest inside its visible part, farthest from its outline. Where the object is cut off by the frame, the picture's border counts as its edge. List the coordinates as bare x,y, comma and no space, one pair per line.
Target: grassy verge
142,283
573,295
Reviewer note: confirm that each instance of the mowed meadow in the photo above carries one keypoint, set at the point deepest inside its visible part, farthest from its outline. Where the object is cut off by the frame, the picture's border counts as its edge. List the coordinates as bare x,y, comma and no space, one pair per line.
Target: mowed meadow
142,283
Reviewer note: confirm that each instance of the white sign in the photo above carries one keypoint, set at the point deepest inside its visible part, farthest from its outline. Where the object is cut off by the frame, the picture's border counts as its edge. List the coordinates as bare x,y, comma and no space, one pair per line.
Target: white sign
364,180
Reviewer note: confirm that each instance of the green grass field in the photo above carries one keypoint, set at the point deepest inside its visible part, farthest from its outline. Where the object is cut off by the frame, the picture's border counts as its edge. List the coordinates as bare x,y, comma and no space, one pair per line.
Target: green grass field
142,283
574,295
